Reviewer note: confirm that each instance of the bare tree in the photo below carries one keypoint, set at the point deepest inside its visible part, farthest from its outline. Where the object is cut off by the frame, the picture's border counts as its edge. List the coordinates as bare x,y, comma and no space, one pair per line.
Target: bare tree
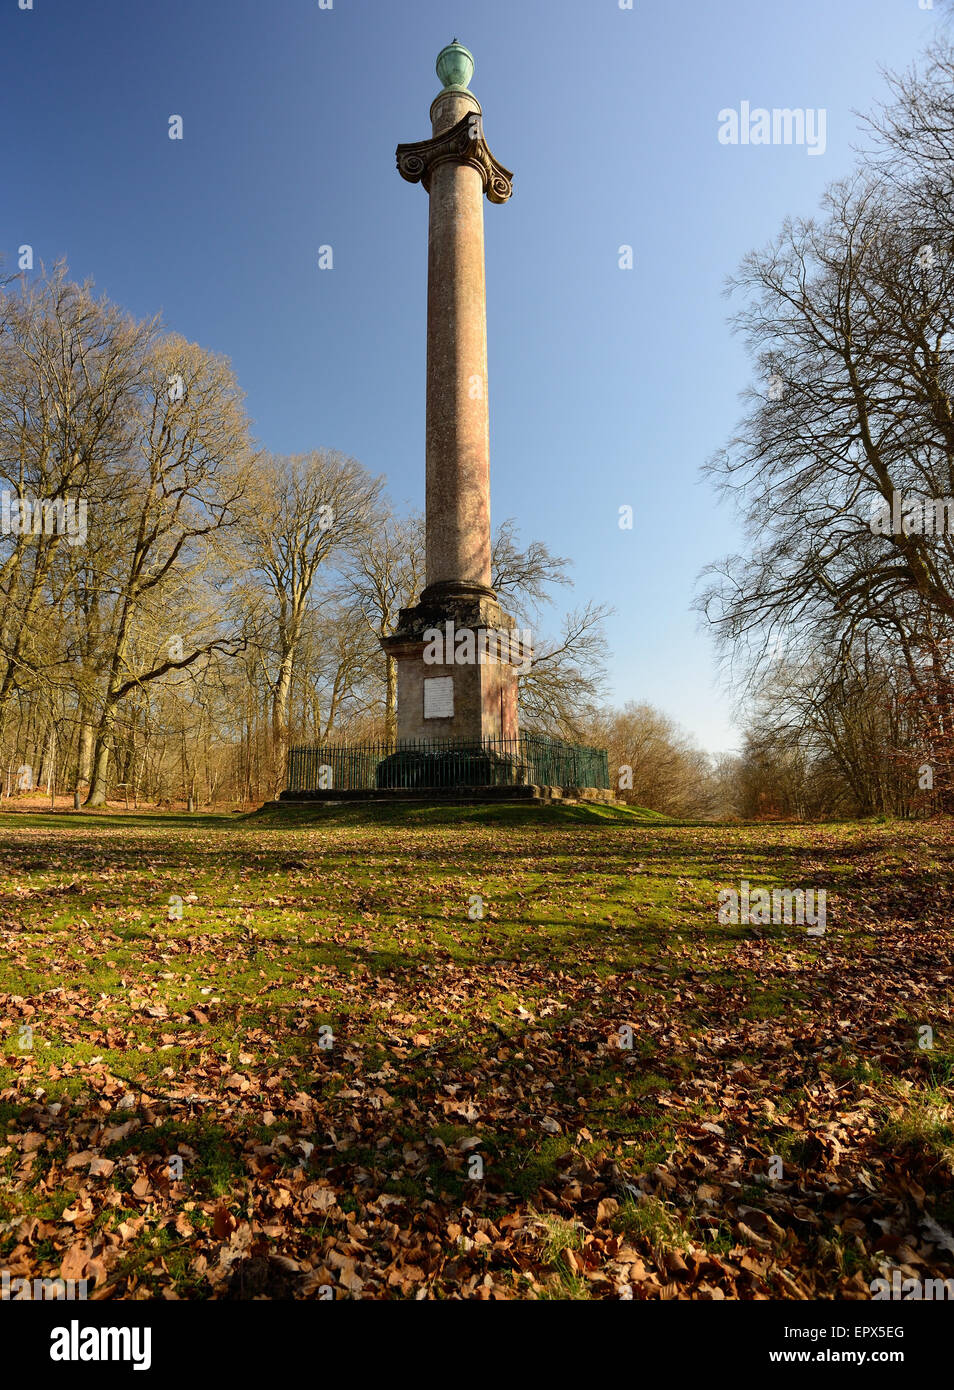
179,494
843,469
652,762
566,681
69,366
306,507
383,574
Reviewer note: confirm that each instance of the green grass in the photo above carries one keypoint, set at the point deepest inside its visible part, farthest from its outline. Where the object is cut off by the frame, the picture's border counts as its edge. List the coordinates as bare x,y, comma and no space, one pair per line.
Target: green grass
503,1028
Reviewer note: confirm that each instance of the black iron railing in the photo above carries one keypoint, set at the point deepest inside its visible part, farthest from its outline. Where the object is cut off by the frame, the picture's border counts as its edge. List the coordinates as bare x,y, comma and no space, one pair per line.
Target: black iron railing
530,759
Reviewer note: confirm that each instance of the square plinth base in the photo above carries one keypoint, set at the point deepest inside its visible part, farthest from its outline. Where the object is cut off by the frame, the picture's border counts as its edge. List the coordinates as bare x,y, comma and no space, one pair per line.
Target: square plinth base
442,701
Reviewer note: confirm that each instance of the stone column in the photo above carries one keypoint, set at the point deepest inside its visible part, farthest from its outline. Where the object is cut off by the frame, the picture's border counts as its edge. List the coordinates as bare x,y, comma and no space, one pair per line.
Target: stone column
455,696
458,425
456,168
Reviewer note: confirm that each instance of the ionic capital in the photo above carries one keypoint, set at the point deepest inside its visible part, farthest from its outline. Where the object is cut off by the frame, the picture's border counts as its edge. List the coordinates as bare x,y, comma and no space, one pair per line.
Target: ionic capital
464,143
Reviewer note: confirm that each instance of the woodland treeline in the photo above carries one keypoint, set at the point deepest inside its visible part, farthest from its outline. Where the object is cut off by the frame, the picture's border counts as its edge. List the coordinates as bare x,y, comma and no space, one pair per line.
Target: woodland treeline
836,626
210,603
839,631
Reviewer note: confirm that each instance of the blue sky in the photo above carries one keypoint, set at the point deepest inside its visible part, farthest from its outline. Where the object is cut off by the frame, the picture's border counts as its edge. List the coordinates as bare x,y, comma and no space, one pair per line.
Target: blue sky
607,387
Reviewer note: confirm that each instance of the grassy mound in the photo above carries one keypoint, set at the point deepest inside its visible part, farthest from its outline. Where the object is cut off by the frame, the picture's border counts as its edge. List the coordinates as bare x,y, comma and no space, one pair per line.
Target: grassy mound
421,814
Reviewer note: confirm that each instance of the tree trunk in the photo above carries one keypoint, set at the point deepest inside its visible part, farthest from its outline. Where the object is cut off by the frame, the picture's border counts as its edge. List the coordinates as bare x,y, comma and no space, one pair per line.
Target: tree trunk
390,700
87,741
280,701
99,783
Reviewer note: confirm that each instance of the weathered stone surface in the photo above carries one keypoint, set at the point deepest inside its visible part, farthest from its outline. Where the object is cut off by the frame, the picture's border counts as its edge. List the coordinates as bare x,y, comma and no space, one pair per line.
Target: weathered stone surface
485,696
458,421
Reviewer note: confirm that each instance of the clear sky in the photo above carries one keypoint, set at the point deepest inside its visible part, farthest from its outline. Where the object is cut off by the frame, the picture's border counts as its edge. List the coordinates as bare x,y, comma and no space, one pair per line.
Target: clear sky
608,387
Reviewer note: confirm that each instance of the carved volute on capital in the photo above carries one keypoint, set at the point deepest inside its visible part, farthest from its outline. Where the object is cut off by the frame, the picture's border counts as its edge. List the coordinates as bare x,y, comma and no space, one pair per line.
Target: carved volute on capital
464,143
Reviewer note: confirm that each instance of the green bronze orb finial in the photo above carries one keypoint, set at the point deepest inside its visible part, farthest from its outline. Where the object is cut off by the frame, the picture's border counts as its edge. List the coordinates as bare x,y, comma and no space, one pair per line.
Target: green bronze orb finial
455,66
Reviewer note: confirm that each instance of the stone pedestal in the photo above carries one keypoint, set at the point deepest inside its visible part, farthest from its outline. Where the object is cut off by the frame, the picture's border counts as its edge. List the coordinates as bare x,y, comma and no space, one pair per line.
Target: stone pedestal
456,697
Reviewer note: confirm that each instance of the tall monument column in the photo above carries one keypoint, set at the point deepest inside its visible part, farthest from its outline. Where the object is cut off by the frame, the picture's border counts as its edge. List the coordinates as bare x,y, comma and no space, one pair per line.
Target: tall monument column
452,694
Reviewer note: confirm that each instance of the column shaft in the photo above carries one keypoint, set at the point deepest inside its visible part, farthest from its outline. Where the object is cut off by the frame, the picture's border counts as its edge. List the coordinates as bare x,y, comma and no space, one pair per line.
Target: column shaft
458,430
